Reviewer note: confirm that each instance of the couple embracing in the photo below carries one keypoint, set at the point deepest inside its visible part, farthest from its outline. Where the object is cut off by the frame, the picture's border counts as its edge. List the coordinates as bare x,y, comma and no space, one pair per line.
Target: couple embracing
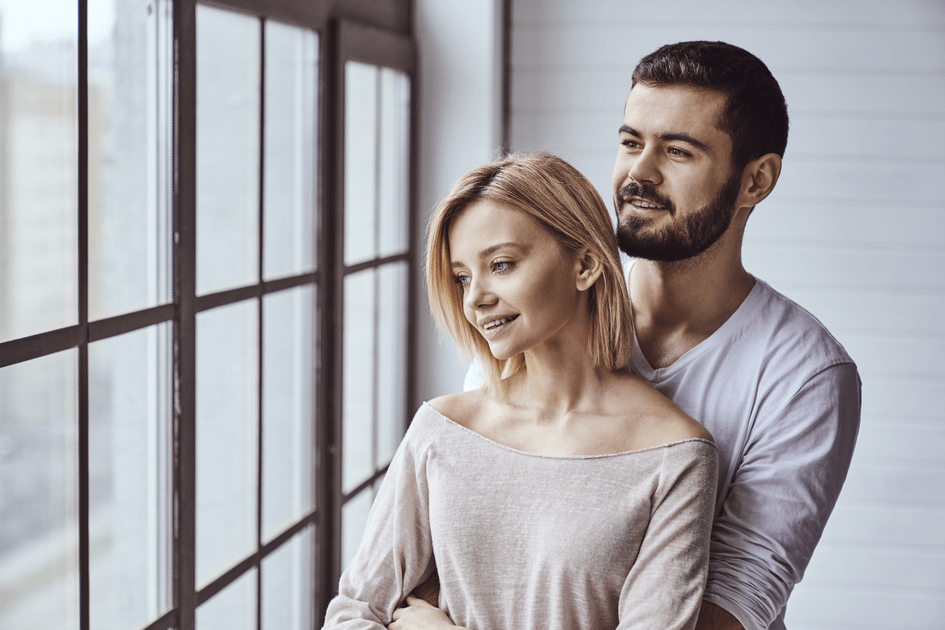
563,490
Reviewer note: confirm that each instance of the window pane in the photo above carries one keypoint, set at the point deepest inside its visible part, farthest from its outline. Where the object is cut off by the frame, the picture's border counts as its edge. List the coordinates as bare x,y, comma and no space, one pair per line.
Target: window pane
130,153
395,162
358,374
227,403
354,515
290,176
130,478
39,533
288,590
227,149
233,608
288,421
391,360
361,84
38,166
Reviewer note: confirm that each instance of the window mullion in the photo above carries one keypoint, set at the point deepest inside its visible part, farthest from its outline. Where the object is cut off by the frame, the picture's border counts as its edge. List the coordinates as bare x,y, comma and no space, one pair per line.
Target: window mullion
185,283
260,323
83,317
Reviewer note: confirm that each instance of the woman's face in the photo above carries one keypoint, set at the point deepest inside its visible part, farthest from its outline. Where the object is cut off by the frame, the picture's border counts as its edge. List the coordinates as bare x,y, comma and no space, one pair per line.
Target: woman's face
519,285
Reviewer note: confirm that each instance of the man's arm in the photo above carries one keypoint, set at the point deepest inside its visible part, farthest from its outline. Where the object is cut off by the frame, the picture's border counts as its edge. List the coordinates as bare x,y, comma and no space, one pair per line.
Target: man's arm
780,497
712,617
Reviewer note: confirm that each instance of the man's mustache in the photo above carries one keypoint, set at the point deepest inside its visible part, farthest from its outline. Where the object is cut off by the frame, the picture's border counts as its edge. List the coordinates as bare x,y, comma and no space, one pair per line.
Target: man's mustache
646,192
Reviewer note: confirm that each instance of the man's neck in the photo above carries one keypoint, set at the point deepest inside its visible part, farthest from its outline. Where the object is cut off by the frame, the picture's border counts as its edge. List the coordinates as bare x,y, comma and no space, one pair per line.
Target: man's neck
677,306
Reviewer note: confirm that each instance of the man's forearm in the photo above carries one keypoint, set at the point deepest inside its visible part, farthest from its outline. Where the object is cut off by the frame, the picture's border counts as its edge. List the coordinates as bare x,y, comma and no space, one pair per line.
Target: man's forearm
712,617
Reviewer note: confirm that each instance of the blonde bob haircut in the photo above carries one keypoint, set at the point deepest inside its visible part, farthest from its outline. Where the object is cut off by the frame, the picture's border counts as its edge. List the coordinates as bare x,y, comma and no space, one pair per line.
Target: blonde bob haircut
560,199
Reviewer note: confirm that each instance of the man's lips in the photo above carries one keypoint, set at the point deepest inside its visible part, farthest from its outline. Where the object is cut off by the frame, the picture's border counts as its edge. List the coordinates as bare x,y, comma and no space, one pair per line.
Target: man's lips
642,203
644,197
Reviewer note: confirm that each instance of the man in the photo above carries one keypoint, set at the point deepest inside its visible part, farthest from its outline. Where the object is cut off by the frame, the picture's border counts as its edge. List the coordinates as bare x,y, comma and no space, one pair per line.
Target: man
704,132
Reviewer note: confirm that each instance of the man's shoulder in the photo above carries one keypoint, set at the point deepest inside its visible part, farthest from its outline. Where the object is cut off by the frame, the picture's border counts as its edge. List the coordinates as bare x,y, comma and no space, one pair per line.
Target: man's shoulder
785,328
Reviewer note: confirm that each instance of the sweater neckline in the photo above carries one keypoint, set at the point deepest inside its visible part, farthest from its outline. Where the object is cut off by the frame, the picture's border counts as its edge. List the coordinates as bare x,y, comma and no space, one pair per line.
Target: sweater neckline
452,423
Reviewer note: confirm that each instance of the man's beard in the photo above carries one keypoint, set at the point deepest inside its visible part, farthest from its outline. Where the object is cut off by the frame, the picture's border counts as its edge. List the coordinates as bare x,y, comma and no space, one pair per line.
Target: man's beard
681,240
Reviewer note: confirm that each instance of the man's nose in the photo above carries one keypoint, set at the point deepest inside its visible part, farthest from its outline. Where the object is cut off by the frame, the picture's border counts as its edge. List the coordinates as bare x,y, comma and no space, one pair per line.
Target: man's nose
646,168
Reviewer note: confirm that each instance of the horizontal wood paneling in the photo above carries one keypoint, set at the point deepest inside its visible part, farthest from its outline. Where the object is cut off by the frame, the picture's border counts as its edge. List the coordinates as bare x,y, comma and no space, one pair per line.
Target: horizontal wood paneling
854,231
824,49
790,14
845,266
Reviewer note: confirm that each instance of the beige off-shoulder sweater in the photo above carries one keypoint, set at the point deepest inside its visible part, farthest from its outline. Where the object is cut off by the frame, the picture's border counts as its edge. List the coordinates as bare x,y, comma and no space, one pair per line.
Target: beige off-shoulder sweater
524,541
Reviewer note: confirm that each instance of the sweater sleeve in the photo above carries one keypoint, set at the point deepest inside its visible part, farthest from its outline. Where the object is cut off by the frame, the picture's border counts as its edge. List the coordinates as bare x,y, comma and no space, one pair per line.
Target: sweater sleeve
780,497
396,551
664,587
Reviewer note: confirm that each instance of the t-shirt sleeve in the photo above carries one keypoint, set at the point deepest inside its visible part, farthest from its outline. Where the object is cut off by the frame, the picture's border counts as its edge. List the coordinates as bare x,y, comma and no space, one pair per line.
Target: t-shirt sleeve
475,376
664,587
781,496
396,551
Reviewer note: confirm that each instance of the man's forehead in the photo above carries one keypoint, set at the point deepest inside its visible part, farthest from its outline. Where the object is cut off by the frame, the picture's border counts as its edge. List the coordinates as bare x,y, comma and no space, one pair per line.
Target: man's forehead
674,108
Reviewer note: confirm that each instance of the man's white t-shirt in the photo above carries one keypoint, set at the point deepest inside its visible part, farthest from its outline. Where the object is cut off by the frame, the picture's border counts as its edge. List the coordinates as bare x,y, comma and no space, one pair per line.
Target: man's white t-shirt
781,397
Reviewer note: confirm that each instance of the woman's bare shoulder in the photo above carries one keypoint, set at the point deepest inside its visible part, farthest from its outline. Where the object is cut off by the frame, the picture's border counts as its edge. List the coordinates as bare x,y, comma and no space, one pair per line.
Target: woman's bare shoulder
658,421
462,407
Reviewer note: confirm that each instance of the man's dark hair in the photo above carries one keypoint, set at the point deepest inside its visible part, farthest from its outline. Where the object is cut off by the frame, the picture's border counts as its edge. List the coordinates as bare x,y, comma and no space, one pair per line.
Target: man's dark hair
755,114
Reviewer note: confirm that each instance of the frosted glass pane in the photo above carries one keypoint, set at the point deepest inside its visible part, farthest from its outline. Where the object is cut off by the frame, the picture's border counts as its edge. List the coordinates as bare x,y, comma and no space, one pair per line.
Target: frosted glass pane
38,166
391,360
354,515
233,608
39,535
227,149
358,373
395,162
130,154
288,588
361,84
288,400
130,486
289,210
227,400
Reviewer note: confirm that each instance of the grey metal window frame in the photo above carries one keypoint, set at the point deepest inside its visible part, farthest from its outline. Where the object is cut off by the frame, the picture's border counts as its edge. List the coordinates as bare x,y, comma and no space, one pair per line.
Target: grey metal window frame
372,31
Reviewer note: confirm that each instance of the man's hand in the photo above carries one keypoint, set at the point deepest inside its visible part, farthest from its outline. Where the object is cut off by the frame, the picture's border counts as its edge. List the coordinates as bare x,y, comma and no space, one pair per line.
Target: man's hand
420,615
712,617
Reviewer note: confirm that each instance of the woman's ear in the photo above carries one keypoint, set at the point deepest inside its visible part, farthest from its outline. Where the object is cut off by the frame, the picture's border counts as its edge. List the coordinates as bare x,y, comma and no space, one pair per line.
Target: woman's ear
589,269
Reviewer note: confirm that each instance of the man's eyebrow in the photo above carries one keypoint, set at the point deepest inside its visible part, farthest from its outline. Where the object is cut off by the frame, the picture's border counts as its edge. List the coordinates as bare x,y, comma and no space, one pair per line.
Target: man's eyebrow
488,251
669,137
685,137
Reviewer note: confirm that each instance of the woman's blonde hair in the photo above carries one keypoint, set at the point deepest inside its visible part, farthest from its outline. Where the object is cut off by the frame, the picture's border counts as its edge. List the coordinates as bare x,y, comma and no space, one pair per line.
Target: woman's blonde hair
564,202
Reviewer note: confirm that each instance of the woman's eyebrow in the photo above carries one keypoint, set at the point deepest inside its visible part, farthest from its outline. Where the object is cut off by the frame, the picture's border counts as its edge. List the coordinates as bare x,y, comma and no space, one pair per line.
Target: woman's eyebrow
488,251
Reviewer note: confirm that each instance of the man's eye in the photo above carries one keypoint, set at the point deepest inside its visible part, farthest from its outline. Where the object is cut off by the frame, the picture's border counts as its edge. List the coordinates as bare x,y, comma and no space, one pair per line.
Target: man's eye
678,152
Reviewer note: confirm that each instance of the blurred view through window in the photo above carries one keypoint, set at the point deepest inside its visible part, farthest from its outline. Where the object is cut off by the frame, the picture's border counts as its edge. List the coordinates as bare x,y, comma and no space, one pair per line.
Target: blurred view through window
156,346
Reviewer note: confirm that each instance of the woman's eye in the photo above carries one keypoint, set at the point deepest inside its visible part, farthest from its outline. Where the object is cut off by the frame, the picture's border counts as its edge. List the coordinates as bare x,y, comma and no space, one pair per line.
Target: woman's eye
501,266
462,281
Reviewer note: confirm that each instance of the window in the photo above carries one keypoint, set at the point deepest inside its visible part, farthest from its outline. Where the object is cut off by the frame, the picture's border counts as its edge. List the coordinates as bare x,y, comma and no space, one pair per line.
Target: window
207,281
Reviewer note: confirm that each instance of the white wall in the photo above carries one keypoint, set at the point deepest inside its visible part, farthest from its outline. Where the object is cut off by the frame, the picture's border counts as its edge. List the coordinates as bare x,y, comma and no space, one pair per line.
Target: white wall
855,232
460,127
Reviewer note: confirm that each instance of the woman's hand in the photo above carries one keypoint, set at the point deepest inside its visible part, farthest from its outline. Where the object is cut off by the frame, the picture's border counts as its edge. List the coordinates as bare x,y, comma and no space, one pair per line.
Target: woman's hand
419,615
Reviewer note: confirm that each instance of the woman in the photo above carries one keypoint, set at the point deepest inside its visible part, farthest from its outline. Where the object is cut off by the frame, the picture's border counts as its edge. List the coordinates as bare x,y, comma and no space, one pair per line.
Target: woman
565,493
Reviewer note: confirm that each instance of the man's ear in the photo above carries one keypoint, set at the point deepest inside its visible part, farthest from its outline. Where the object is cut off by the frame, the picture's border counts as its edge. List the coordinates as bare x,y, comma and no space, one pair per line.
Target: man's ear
758,179
589,269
